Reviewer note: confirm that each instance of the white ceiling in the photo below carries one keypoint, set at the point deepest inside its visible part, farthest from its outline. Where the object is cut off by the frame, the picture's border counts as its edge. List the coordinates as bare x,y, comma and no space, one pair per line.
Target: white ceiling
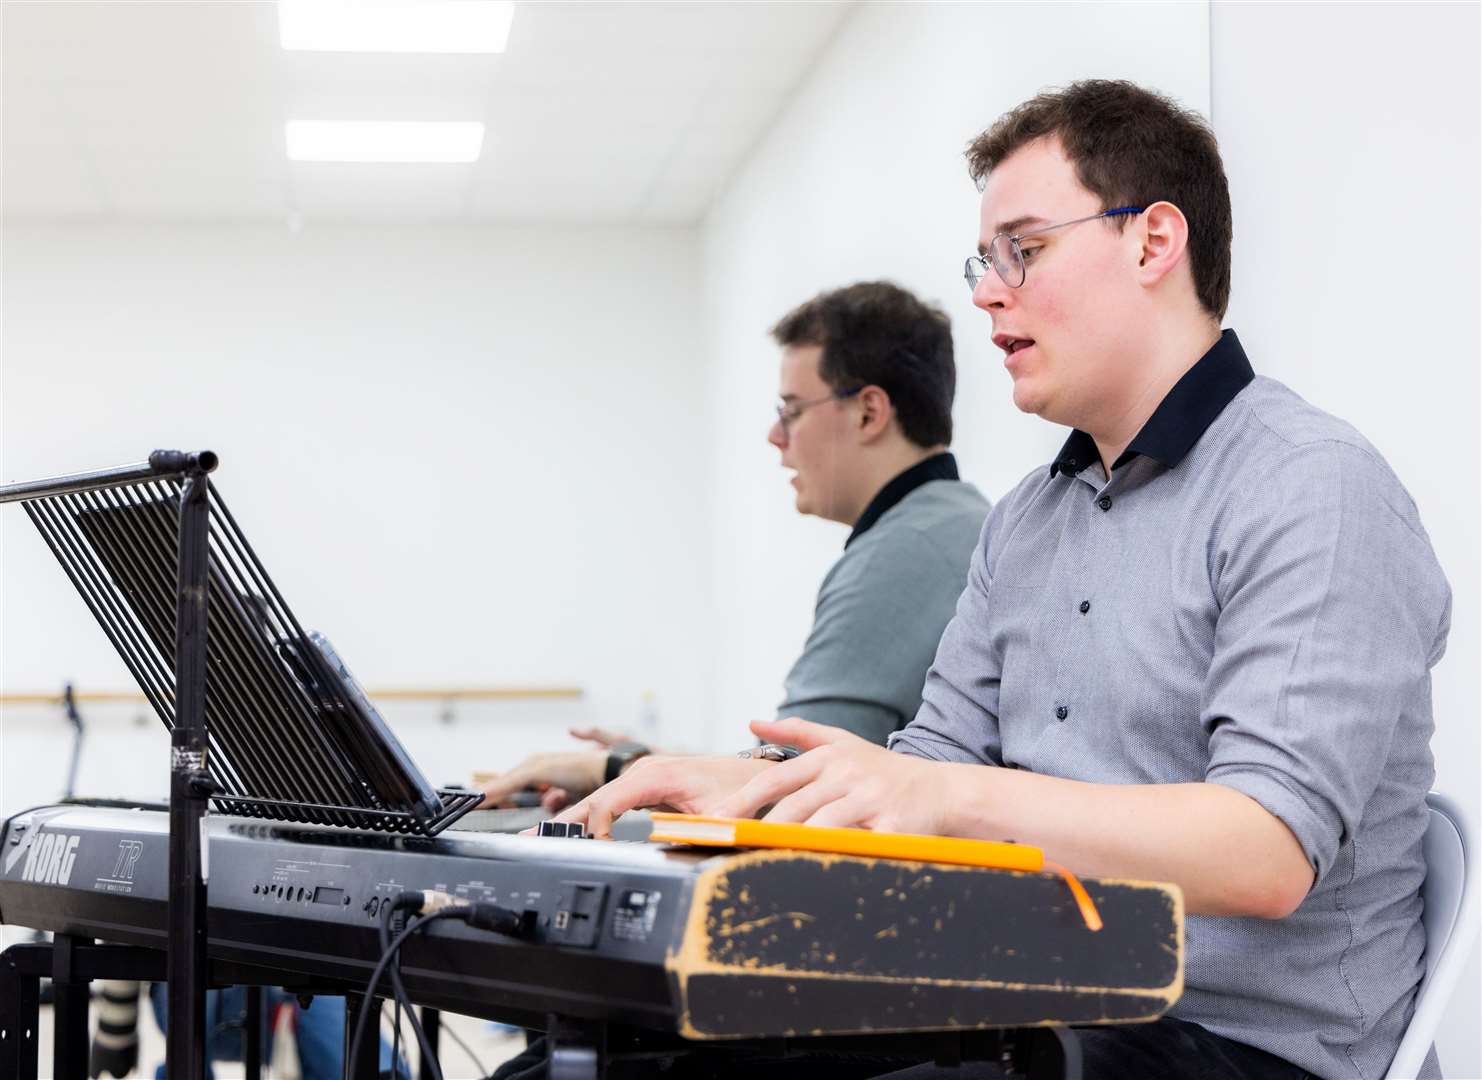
597,112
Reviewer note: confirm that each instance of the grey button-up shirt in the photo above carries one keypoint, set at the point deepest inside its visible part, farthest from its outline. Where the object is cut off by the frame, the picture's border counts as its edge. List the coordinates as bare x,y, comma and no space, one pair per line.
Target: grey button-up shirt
1249,600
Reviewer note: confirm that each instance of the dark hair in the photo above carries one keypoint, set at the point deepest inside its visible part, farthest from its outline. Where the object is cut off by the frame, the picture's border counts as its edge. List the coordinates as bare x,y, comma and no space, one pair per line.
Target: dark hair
877,334
1130,147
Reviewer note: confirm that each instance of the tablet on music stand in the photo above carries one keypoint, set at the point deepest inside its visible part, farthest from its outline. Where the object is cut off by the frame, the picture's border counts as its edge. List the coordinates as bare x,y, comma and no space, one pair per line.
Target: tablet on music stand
289,724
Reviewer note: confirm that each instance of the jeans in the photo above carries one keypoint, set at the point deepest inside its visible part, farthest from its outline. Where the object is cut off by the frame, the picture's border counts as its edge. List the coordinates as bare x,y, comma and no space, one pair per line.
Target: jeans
319,1031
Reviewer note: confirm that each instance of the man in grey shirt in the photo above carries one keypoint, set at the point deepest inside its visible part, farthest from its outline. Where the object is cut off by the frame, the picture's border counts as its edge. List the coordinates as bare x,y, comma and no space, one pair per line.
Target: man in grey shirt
1196,648
864,421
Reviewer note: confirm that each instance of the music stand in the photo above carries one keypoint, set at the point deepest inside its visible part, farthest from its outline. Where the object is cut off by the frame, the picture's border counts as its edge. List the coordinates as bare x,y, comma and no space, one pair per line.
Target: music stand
261,723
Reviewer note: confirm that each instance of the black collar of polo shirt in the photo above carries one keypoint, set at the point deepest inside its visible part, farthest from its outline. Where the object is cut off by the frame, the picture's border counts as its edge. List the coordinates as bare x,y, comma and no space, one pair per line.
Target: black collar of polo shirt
1180,418
937,467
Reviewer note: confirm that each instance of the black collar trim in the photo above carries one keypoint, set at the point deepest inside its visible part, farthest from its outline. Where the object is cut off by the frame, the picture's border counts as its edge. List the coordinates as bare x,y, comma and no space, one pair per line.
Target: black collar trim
1181,418
937,467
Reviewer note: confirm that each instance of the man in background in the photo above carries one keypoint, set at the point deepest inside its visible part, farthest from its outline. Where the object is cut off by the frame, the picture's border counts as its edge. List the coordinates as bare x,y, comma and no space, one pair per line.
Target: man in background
864,422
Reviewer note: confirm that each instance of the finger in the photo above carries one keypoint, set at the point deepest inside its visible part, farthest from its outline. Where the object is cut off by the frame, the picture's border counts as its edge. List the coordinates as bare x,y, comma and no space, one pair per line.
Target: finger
804,734
599,818
592,812
597,735
554,800
845,813
643,785
578,811
770,785
502,786
803,803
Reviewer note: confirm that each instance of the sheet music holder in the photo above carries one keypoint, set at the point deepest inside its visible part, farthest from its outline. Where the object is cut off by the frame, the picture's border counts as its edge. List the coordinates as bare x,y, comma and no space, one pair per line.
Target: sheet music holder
291,735
264,720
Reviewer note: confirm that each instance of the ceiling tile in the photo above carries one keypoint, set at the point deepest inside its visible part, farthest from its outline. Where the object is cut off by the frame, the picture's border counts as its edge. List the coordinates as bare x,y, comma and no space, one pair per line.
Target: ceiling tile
596,112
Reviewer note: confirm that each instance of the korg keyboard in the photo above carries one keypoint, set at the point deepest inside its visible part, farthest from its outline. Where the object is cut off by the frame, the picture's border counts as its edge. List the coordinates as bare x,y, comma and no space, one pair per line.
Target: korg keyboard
704,946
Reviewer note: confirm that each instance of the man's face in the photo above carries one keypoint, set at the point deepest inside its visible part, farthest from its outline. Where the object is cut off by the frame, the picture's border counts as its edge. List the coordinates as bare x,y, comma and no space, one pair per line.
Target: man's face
1074,306
815,445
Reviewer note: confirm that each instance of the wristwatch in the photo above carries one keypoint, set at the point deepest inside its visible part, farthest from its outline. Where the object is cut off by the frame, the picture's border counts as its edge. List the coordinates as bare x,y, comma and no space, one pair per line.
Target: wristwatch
619,755
770,752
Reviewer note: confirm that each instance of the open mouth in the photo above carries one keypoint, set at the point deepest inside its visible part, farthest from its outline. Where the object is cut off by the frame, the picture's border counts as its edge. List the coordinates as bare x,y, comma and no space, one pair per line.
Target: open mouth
1011,344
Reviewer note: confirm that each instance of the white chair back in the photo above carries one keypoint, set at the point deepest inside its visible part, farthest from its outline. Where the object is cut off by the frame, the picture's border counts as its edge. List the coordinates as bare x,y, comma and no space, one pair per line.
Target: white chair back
1450,919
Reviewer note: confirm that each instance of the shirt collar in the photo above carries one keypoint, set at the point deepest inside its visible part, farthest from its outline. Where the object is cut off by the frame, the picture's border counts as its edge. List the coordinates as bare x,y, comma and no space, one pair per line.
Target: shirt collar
937,467
1180,418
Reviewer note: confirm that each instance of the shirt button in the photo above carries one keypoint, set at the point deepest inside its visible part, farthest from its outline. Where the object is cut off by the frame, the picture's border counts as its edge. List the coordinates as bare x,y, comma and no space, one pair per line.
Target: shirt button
1061,712
1104,502
1085,606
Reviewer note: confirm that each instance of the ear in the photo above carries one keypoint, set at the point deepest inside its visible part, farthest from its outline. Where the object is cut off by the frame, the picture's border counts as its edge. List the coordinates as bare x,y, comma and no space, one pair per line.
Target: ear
1163,232
875,413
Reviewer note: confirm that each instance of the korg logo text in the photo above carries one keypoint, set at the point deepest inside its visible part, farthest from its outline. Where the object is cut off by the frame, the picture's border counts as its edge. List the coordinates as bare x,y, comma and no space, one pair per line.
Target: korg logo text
50,858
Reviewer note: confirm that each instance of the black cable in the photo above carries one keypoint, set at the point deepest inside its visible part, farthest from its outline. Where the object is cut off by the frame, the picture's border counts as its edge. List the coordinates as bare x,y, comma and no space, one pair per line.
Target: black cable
423,1043
396,1032
412,899
375,979
481,914
402,1070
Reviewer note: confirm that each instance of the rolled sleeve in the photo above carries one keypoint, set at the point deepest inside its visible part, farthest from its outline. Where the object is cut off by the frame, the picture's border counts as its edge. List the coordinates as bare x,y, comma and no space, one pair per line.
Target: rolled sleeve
1326,629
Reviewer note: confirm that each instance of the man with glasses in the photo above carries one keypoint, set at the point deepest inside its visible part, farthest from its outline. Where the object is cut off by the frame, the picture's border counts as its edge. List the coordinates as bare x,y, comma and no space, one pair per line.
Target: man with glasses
864,422
1195,648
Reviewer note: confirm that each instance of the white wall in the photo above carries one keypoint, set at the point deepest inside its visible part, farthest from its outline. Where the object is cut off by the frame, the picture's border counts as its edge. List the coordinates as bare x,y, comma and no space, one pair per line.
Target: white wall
469,456
863,177
1350,137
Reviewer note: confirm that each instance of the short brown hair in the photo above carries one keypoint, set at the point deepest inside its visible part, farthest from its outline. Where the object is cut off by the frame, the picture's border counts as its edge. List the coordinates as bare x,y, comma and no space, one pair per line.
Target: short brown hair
877,334
1130,147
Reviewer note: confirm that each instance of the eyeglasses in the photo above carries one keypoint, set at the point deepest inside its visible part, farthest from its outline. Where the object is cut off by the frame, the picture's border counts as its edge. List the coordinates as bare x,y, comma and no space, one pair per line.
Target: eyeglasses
789,411
1007,256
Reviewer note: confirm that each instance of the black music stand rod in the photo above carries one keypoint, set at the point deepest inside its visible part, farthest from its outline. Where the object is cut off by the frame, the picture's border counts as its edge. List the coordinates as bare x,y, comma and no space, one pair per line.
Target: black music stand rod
190,784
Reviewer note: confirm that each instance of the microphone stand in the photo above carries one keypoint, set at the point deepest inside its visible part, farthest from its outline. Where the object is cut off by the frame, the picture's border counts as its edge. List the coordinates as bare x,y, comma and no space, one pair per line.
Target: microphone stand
69,703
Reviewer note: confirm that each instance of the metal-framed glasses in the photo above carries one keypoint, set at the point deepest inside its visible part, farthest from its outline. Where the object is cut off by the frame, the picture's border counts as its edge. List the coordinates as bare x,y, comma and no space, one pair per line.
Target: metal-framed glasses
789,411
1007,257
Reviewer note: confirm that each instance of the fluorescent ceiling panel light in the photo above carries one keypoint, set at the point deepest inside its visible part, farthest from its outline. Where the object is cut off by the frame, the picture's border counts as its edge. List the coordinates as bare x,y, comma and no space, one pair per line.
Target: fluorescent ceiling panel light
417,26
387,141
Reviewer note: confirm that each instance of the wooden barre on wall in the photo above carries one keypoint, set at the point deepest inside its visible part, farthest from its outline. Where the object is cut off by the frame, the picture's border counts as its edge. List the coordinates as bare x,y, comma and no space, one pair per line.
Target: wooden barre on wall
434,693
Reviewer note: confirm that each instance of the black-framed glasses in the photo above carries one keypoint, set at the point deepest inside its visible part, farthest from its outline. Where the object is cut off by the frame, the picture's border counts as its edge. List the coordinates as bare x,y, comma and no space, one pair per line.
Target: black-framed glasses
789,411
1007,257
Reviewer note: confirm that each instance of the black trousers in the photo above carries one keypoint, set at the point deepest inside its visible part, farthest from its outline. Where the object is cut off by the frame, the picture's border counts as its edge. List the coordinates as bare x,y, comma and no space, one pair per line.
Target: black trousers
1166,1049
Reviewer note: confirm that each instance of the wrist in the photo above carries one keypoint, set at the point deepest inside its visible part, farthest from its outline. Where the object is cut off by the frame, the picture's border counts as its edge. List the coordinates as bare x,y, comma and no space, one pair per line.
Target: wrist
967,801
619,756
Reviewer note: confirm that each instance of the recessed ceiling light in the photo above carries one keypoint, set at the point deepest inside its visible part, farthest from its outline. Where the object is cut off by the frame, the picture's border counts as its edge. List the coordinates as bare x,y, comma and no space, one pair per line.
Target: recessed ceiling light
387,141
434,26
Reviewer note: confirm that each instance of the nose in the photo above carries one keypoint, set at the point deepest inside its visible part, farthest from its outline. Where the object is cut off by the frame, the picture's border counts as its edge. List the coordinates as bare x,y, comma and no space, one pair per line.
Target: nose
777,434
990,293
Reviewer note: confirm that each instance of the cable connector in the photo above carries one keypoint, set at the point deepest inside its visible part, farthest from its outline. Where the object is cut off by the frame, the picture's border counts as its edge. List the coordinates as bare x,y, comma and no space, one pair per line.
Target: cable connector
437,900
424,901
485,915
480,914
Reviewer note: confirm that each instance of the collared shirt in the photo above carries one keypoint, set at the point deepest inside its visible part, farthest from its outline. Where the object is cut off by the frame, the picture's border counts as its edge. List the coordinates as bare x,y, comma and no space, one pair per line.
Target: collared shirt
882,606
941,466
1249,599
